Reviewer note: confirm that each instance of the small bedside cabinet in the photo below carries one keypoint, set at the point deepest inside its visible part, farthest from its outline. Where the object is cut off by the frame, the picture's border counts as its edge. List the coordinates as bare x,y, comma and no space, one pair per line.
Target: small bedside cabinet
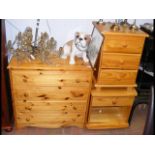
53,95
115,74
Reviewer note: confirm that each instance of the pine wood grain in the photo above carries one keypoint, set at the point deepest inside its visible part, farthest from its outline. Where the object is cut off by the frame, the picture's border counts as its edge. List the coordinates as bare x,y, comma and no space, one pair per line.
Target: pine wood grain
114,82
108,117
28,78
50,95
120,61
123,44
112,101
56,64
117,77
110,92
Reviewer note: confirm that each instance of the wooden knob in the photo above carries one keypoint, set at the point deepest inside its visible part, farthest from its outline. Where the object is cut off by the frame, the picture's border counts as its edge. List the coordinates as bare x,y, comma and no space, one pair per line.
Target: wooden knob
27,119
26,95
59,87
125,46
28,108
122,61
100,111
114,102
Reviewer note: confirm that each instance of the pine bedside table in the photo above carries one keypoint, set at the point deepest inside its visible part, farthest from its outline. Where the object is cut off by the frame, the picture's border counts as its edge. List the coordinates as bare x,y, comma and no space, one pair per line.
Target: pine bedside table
115,75
53,96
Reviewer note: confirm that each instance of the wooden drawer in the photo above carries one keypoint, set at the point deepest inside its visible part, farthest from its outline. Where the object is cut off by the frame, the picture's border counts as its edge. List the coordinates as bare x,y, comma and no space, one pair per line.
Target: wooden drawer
117,77
51,107
113,91
29,78
49,120
123,44
112,101
51,94
50,114
108,115
120,61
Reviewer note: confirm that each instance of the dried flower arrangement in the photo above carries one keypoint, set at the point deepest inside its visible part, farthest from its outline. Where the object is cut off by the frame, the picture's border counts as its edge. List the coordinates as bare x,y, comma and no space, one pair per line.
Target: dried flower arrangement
26,51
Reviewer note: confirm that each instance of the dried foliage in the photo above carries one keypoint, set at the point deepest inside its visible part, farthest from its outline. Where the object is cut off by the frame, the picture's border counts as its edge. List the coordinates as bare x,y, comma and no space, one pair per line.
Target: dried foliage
25,51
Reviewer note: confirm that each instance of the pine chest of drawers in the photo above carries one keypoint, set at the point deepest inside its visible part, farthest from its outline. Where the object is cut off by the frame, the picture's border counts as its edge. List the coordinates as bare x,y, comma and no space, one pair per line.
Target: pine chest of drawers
54,95
115,74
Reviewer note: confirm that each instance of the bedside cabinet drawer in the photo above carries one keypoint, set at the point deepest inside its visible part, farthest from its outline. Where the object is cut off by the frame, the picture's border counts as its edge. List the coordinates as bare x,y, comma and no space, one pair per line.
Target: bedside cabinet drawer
112,101
51,78
120,61
108,117
111,115
117,77
123,44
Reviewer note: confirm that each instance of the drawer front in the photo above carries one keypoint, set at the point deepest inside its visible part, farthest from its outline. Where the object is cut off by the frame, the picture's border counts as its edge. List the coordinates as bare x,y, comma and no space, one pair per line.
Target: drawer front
38,119
51,78
33,113
51,107
117,77
123,44
51,94
112,101
108,115
120,61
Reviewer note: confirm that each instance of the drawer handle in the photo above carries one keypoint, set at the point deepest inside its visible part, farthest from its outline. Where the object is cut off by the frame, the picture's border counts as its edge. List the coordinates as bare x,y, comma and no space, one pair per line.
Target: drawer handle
77,94
125,46
100,111
28,108
27,119
114,102
26,95
59,87
122,61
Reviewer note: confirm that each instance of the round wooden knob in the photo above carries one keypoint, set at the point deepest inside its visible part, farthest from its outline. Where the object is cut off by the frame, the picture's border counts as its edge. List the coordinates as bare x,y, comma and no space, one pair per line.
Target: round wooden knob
100,111
28,108
26,95
125,45
122,61
114,102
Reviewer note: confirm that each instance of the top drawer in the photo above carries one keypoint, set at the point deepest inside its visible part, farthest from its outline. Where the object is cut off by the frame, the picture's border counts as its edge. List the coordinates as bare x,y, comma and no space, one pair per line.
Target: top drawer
28,78
123,44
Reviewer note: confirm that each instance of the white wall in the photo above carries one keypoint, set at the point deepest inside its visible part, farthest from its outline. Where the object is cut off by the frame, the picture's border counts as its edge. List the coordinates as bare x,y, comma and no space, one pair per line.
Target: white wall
61,29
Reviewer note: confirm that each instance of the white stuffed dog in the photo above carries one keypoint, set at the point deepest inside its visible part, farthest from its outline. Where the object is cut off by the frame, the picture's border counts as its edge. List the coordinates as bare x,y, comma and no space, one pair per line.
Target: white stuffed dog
77,47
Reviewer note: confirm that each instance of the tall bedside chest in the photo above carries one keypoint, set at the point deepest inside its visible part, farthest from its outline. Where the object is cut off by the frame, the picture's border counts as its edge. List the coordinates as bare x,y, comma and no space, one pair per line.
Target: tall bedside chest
115,75
54,95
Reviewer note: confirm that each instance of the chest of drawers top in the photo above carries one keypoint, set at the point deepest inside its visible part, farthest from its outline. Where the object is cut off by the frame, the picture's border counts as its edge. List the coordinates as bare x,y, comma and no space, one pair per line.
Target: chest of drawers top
55,64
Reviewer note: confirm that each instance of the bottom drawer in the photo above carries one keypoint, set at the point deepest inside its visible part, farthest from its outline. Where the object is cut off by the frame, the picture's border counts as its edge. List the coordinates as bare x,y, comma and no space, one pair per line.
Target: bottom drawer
49,120
50,114
109,117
